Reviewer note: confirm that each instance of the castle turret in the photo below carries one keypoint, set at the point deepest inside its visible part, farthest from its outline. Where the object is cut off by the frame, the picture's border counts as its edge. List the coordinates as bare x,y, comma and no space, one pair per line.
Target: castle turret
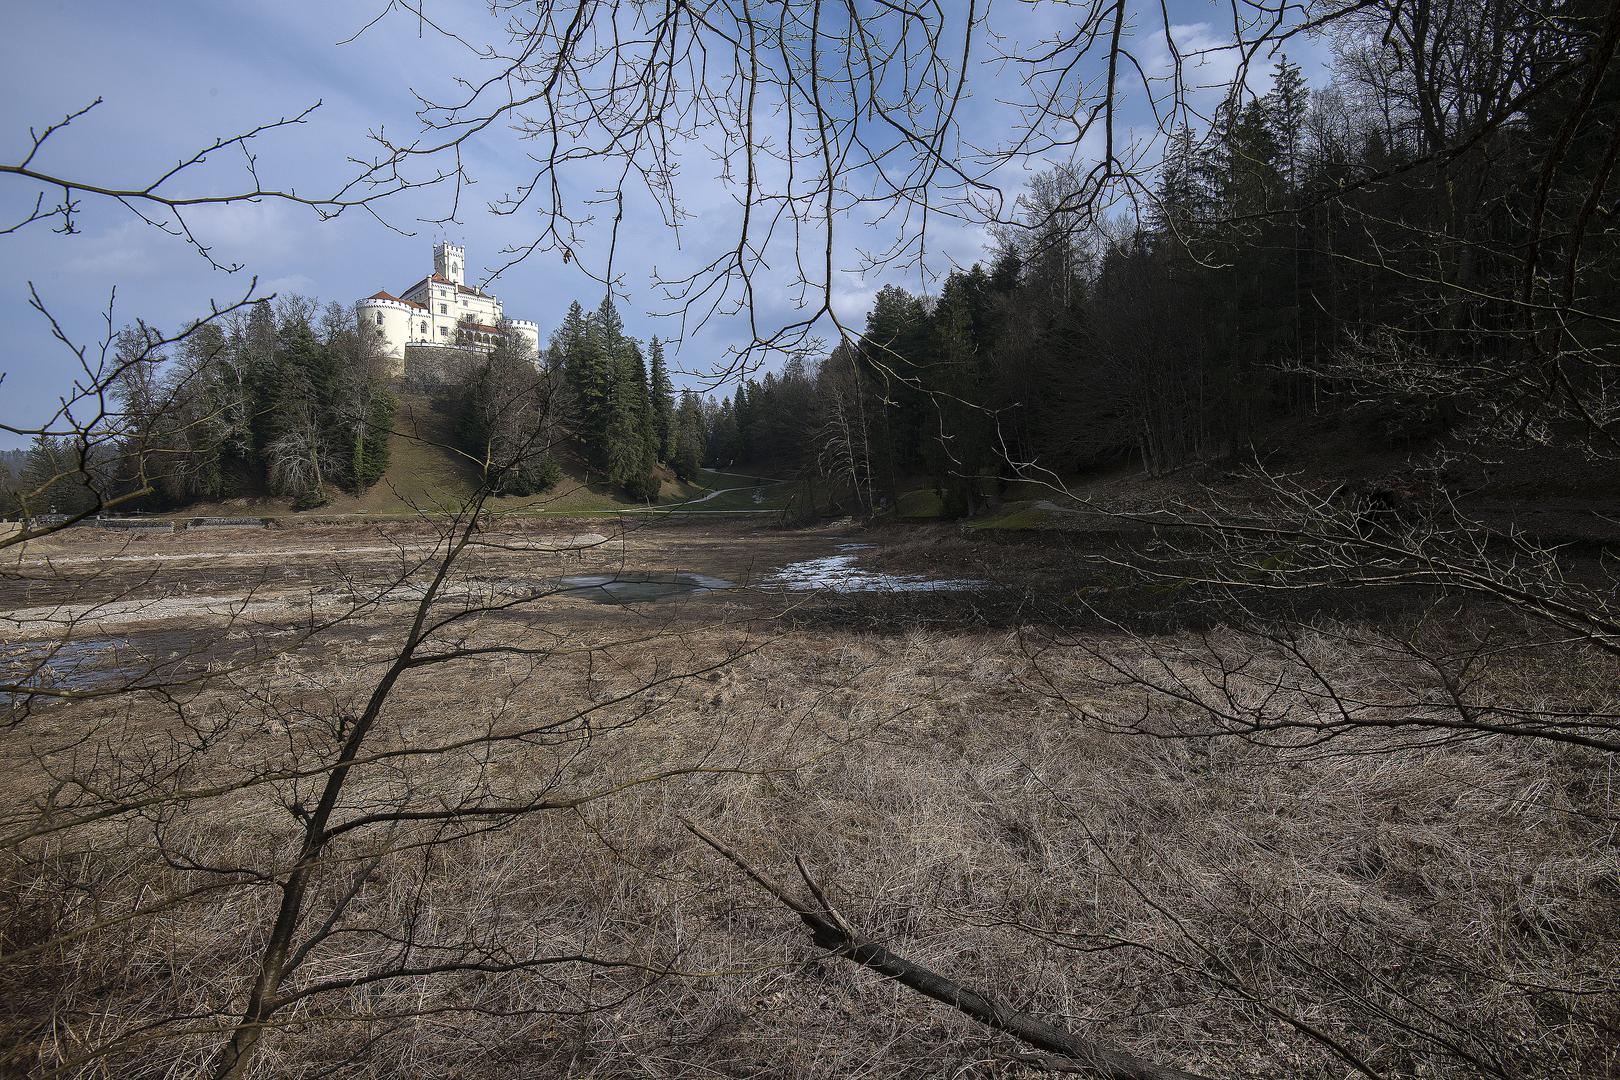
448,260
388,320
528,333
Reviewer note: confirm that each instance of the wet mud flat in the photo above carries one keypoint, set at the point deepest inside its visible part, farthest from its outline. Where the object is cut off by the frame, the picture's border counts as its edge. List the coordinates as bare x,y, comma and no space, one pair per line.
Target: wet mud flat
89,612
83,568
170,658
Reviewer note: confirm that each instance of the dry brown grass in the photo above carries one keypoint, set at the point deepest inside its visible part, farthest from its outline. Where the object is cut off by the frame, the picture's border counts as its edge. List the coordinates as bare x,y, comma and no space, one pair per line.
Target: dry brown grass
1443,911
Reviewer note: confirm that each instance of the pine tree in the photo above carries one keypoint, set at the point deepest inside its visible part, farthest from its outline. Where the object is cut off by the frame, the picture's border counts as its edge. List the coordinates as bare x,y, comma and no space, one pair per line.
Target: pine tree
663,403
261,376
629,447
743,416
303,424
648,418
1286,106
370,442
1249,157
207,416
583,352
720,421
690,437
55,479
604,355
1182,193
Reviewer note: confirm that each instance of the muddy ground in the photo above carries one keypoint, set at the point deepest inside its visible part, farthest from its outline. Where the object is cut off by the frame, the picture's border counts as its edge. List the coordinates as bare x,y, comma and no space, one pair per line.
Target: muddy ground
965,769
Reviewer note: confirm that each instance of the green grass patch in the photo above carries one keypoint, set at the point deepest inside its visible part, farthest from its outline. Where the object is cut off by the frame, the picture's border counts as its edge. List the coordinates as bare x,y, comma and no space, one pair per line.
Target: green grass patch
1015,517
923,503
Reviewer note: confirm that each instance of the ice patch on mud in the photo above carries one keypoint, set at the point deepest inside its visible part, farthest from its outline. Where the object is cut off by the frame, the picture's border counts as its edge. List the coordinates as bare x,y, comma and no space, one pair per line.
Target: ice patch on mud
838,573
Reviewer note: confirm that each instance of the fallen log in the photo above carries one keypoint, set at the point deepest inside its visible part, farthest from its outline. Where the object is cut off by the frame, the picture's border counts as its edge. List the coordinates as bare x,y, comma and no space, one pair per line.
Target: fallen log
829,930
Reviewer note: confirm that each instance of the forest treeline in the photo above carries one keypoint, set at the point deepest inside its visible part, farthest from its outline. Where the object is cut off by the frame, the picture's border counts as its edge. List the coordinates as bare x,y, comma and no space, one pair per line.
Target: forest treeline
1371,243
596,393
284,397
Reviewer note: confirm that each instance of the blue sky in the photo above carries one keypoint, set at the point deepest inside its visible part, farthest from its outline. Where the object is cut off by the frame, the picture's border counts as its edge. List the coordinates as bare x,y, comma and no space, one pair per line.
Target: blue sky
175,75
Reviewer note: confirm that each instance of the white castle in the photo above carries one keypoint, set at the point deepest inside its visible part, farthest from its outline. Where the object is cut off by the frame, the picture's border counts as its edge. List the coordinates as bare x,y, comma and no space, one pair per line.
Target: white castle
441,310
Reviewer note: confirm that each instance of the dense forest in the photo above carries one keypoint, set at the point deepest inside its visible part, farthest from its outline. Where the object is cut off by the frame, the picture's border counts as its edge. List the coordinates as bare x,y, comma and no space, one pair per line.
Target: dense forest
290,399
620,409
1335,244
1315,248
284,397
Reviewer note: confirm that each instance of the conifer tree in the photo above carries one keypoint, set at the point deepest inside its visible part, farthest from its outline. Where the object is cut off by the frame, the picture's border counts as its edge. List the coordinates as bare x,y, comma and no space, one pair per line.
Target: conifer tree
369,441
663,403
629,445
1286,106
300,425
689,437
567,345
599,364
260,376
647,420
55,479
743,416
207,417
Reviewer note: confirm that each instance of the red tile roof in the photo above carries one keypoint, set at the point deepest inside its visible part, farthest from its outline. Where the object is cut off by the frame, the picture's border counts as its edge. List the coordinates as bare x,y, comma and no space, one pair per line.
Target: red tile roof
384,294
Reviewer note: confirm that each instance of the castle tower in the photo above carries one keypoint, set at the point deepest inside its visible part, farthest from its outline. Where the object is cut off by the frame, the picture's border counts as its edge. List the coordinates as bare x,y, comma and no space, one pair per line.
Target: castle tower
386,321
448,260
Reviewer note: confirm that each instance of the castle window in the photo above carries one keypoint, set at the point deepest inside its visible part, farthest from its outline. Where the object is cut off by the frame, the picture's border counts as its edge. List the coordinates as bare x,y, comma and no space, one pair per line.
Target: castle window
444,309
443,332
424,326
379,318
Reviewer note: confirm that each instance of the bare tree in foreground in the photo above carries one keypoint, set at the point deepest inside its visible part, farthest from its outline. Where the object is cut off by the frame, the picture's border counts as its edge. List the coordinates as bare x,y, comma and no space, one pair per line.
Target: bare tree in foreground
863,126
298,820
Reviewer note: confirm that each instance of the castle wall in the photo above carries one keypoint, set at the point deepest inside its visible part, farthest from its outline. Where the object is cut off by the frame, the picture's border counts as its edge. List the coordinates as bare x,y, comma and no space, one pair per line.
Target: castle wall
429,367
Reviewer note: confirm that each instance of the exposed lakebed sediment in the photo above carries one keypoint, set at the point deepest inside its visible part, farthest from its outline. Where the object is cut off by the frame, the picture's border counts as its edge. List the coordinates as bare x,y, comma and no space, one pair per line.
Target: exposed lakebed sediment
78,608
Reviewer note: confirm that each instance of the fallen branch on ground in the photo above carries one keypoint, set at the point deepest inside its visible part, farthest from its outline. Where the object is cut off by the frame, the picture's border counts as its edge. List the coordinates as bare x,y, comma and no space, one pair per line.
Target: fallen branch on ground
829,930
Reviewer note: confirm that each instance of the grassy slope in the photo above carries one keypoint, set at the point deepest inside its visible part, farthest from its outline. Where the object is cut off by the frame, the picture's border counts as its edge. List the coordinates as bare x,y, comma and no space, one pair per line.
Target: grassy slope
424,475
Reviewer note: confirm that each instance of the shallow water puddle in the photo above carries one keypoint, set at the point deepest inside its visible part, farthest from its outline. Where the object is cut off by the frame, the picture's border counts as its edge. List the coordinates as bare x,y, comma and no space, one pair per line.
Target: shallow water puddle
101,662
67,665
640,588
